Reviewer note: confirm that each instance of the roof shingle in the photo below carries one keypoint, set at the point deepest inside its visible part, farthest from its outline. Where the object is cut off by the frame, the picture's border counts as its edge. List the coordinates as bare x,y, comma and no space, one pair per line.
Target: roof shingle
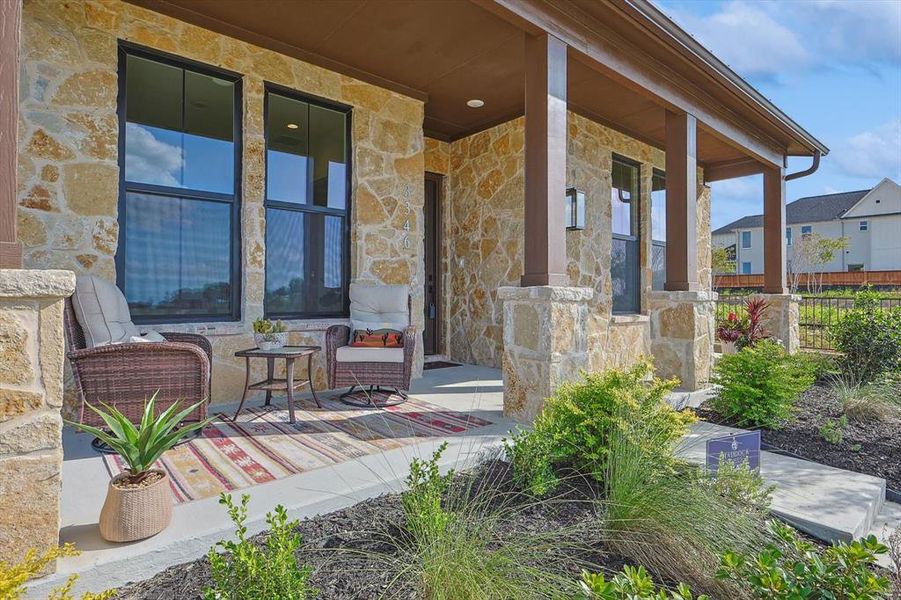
810,209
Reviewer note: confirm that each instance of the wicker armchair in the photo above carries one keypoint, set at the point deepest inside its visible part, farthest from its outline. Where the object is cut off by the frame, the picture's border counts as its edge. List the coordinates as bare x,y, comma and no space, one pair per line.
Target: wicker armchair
393,372
125,375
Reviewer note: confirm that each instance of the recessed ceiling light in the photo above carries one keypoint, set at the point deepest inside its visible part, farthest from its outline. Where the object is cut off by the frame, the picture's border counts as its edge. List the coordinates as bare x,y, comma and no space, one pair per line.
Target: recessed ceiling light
475,103
292,125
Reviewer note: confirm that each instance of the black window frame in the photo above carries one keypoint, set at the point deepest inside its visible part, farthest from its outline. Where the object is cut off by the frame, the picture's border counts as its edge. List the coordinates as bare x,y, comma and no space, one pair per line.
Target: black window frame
655,172
630,238
126,49
268,88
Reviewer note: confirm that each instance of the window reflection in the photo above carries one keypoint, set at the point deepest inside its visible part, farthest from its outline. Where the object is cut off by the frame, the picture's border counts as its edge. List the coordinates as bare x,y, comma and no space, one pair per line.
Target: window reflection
624,259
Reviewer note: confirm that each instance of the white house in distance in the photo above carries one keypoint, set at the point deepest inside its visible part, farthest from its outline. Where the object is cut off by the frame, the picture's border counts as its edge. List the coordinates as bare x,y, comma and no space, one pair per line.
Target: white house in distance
870,219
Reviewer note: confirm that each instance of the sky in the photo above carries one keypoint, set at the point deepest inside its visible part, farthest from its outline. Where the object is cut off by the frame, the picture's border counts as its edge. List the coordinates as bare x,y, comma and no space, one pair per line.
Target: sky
834,66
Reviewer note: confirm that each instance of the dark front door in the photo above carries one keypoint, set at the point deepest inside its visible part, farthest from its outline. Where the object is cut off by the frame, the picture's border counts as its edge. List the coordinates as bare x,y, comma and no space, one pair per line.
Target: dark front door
432,293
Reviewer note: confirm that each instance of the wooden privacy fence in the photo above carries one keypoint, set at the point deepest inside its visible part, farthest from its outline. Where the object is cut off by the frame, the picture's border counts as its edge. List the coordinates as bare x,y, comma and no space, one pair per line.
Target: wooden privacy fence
816,315
837,279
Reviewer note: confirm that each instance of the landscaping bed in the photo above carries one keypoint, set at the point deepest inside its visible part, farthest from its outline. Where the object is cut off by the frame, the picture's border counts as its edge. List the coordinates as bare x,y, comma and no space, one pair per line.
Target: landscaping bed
357,552
870,446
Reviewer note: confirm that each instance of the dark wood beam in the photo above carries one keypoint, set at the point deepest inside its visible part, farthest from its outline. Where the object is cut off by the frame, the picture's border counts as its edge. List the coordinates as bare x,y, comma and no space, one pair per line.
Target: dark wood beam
730,169
10,27
681,202
545,162
774,262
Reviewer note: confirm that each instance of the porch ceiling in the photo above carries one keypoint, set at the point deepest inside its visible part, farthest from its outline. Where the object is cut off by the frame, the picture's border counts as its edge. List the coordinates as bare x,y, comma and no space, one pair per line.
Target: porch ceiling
444,53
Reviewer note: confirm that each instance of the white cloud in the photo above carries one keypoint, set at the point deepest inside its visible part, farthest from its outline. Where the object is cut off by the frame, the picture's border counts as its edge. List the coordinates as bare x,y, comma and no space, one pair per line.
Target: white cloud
149,160
872,154
863,30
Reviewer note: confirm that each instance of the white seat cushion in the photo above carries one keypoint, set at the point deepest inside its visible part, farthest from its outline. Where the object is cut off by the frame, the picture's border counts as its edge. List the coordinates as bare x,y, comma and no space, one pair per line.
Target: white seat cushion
387,355
379,307
103,313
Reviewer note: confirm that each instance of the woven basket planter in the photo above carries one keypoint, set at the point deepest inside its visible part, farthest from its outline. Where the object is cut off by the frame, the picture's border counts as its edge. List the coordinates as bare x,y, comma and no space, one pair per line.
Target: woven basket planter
130,514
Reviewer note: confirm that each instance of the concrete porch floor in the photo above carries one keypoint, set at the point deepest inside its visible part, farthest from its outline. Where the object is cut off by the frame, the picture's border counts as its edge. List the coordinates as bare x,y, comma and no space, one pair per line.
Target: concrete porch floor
198,525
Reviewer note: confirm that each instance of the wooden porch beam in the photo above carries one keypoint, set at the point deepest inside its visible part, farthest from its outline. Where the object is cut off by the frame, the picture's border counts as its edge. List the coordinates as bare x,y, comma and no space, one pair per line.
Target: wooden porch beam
681,202
601,48
545,162
10,26
730,169
774,260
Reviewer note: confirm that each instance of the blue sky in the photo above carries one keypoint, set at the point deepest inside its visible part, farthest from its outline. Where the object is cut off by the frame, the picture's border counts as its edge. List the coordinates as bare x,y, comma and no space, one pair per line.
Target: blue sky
834,66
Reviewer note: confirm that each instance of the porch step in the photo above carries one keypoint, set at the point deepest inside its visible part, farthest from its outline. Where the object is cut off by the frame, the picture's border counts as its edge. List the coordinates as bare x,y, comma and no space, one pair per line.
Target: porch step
887,521
828,503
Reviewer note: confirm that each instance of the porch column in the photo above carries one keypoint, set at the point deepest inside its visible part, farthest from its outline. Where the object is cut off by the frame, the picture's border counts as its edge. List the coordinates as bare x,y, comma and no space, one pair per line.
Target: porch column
681,202
545,162
10,25
774,279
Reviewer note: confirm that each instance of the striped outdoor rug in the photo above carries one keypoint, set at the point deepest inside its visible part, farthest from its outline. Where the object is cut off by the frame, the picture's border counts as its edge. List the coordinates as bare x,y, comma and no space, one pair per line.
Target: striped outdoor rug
263,446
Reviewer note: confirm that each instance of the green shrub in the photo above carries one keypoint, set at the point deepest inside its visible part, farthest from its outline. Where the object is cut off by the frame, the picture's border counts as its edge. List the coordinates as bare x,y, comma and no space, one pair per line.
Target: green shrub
794,569
760,384
630,584
869,338
574,426
742,487
247,571
453,549
13,577
833,430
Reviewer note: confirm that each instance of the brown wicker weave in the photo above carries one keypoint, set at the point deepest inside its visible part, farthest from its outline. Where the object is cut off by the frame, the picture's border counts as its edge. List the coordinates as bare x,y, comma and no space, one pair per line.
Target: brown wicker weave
125,375
349,374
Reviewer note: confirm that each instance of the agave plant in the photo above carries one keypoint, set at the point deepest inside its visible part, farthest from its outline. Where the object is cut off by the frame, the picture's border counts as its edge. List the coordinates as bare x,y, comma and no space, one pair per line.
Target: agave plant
141,445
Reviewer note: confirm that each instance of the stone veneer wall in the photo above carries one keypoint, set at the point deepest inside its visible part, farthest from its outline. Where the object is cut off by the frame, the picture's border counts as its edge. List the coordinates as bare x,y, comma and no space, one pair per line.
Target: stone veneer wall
485,238
31,394
68,172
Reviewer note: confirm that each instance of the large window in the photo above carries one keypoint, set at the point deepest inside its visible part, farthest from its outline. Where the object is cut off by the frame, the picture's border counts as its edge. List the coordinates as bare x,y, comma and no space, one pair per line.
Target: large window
624,265
658,229
307,204
745,240
178,253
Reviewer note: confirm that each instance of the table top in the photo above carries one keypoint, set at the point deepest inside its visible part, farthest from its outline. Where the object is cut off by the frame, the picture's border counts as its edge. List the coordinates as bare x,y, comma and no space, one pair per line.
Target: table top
283,352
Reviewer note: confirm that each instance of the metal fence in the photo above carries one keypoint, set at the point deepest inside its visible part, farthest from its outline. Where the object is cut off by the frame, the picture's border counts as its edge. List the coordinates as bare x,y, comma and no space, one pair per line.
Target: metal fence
817,314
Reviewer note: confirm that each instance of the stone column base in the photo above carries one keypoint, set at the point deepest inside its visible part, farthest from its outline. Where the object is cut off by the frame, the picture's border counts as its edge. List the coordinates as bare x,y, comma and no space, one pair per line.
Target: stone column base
782,319
545,344
682,336
31,394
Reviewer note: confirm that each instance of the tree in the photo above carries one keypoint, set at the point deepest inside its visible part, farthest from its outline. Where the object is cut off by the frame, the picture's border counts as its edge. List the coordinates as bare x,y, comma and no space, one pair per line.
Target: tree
722,261
809,255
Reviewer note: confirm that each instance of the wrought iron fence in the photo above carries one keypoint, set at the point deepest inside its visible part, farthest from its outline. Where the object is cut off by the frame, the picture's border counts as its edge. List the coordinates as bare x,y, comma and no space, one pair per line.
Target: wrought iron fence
817,314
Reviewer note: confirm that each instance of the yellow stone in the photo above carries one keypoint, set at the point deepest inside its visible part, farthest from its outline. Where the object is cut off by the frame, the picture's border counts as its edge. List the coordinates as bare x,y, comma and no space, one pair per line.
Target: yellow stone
95,89
29,503
91,188
369,211
105,236
392,271
30,230
16,402
42,145
50,173
40,198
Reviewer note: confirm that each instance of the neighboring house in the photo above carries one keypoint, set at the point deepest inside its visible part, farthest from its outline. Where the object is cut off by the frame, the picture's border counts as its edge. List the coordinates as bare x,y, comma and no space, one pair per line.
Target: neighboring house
869,219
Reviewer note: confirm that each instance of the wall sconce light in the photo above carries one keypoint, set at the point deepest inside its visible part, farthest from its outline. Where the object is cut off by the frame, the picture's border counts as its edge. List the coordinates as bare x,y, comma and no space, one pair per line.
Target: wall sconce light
575,209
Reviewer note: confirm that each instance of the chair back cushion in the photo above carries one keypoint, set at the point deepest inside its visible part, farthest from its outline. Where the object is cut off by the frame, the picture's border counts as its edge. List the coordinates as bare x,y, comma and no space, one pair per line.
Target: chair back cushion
379,307
102,312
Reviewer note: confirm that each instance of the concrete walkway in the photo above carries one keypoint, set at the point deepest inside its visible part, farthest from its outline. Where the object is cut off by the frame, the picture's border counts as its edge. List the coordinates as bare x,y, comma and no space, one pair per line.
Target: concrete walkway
828,503
197,525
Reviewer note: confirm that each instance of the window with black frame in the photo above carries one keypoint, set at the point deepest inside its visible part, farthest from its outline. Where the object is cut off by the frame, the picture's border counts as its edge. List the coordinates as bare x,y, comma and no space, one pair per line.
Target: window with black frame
624,259
307,203
178,254
658,229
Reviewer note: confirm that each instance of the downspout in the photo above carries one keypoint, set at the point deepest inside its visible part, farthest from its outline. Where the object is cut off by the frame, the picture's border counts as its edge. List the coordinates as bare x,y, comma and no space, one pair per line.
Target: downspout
806,172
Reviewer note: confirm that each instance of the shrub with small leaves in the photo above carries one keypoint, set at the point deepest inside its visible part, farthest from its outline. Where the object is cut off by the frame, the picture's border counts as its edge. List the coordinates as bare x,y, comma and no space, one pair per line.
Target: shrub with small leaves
426,518
759,385
13,577
869,338
833,430
742,486
795,569
248,571
630,584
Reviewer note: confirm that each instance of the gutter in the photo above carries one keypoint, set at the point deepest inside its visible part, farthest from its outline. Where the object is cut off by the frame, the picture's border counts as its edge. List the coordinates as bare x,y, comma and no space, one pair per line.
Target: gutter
810,171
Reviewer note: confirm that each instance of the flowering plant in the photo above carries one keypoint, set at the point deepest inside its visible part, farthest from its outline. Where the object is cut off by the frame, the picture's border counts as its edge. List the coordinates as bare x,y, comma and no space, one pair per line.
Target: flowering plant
744,330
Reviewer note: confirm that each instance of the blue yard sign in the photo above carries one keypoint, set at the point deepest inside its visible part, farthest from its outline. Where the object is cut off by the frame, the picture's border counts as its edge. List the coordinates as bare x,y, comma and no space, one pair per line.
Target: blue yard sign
736,449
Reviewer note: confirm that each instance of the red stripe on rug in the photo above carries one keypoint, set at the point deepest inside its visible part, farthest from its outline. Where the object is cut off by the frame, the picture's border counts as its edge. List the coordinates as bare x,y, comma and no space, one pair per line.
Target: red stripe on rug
254,470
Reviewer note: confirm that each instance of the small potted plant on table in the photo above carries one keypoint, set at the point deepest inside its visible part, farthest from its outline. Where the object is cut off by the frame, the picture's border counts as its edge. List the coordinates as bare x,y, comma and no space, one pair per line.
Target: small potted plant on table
268,335
139,501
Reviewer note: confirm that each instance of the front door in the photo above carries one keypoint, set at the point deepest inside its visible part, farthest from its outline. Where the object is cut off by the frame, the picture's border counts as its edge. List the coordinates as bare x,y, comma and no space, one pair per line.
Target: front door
432,293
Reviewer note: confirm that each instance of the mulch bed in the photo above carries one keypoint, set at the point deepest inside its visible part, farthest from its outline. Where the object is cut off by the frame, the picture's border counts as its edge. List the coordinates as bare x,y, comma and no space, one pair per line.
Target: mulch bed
354,553
869,446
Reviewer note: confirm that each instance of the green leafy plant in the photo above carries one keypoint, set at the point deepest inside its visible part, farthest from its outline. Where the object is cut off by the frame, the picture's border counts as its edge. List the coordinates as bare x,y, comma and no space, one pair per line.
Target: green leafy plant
265,326
759,385
13,577
453,549
742,486
632,583
141,445
746,329
575,424
894,546
869,338
248,571
833,430
795,569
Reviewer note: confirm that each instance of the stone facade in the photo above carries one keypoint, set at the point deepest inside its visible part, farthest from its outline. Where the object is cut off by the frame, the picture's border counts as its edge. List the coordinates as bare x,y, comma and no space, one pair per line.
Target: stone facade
485,238
782,319
682,336
545,343
68,173
31,394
